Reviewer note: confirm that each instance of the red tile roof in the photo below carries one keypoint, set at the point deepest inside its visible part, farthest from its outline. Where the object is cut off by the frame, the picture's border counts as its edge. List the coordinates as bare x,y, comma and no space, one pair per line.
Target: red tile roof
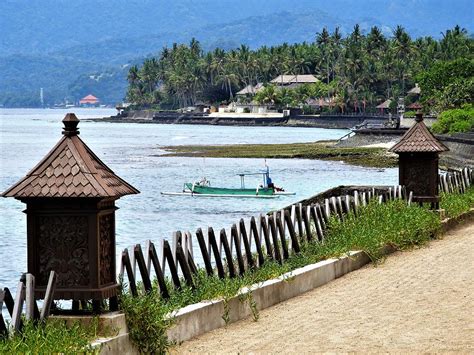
70,169
418,139
415,106
89,99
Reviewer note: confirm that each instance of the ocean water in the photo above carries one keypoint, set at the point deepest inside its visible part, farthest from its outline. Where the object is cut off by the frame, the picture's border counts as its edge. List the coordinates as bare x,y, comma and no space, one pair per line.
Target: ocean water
133,151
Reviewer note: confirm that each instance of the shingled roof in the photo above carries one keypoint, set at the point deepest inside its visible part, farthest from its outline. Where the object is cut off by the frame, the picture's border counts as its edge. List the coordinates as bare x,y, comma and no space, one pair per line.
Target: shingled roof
418,139
70,169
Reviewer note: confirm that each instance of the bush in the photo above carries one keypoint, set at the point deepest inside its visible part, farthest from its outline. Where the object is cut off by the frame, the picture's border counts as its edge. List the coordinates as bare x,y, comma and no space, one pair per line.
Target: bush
456,120
409,114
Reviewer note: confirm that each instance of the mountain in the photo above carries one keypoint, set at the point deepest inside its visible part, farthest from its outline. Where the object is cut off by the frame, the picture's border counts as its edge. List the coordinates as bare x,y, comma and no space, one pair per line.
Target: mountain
69,47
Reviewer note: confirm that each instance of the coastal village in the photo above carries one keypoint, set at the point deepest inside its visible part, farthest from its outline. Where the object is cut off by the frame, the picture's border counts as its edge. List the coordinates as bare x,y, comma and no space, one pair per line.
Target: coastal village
313,197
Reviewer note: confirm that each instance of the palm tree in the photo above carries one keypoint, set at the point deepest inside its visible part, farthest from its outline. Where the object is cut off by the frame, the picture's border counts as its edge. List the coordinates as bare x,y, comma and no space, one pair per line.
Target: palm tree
323,40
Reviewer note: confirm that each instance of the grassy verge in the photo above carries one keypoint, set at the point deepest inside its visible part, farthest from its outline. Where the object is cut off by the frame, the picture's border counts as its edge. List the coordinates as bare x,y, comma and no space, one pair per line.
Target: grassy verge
456,204
373,157
52,338
393,223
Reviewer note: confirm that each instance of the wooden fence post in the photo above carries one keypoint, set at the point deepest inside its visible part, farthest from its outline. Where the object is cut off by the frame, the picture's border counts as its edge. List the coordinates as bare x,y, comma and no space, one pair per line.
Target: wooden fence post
158,271
295,246
130,275
217,254
281,232
205,256
317,224
244,236
142,267
238,251
258,241
307,226
299,221
3,327
48,296
169,259
18,307
30,297
266,236
276,244
228,253
182,262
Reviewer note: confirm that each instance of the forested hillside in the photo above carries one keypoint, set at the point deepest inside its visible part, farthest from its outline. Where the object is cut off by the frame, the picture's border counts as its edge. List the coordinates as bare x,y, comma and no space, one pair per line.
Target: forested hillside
59,44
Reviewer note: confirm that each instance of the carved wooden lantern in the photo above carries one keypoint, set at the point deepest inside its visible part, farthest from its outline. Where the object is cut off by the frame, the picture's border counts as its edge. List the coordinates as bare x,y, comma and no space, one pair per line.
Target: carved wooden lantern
418,152
70,206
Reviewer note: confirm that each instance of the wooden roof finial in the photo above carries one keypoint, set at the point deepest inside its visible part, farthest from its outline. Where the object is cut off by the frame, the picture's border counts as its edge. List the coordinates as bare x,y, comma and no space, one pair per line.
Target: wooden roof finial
418,116
70,125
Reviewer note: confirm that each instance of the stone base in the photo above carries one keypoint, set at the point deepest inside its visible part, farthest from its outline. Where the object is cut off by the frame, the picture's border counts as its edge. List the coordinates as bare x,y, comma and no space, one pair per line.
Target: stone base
112,331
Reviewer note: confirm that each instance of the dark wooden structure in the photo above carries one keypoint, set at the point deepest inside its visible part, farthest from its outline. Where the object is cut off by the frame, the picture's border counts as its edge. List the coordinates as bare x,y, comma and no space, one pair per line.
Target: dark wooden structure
418,152
70,197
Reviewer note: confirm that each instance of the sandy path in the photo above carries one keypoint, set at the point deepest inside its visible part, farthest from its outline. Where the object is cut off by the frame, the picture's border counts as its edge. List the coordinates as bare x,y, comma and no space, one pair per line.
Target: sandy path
417,301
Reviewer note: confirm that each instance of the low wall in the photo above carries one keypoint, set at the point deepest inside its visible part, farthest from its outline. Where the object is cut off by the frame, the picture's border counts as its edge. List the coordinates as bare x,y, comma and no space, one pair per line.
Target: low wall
336,121
240,119
205,316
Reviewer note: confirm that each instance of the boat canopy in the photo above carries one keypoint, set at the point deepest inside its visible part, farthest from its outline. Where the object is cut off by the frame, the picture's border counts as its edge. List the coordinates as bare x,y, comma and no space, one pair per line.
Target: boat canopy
265,174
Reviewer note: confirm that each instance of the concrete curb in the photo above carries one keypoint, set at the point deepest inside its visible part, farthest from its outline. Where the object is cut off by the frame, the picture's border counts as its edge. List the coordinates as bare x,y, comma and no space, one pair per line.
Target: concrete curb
199,318
202,317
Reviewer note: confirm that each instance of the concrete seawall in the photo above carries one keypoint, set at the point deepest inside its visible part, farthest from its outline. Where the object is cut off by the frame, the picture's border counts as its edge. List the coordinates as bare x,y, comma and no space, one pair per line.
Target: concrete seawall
326,121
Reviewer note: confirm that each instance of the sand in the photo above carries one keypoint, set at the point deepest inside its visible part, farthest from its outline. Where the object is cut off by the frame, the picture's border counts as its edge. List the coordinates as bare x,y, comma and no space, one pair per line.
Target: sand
416,301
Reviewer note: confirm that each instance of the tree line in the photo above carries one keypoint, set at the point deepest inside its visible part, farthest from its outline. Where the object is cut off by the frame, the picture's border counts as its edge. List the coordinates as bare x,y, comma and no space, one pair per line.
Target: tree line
358,71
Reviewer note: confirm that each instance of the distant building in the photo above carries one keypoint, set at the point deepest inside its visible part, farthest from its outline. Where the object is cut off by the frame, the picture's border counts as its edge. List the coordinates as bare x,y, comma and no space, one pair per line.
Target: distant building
250,90
89,100
320,103
384,107
294,80
415,91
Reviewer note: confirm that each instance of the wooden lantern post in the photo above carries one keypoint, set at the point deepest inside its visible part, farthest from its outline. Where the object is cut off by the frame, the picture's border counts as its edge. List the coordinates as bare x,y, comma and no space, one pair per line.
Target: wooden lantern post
70,206
418,152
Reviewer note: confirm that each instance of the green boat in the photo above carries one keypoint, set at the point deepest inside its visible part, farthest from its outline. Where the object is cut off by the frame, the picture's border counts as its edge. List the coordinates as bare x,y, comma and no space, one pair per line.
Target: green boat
203,188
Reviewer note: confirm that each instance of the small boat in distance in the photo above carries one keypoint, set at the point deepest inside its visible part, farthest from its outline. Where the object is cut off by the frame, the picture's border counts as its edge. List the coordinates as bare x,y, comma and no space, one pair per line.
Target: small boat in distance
203,188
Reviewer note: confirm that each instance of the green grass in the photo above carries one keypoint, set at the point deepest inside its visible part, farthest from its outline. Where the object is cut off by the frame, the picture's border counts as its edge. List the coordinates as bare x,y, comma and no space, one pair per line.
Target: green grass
52,338
456,204
393,223
374,157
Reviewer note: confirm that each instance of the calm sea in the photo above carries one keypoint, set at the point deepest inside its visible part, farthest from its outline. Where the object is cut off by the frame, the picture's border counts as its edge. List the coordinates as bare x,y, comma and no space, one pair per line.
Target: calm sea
133,152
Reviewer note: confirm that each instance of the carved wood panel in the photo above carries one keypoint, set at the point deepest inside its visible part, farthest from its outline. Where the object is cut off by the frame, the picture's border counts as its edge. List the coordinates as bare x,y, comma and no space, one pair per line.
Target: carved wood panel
106,249
418,177
63,247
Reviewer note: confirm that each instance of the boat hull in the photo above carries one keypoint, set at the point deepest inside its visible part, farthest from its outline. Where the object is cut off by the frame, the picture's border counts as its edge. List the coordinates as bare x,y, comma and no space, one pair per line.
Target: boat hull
208,190
190,194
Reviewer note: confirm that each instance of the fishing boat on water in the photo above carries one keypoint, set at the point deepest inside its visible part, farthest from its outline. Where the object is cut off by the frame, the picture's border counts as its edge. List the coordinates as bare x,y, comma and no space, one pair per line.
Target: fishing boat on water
203,188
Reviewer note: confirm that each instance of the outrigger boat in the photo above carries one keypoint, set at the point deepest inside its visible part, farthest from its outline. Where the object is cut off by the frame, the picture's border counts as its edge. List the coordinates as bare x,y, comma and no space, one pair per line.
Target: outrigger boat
203,188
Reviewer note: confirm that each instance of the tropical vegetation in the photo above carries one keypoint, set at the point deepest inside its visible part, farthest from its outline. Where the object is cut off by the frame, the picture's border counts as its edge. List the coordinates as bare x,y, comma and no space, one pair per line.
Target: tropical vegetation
455,120
358,71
